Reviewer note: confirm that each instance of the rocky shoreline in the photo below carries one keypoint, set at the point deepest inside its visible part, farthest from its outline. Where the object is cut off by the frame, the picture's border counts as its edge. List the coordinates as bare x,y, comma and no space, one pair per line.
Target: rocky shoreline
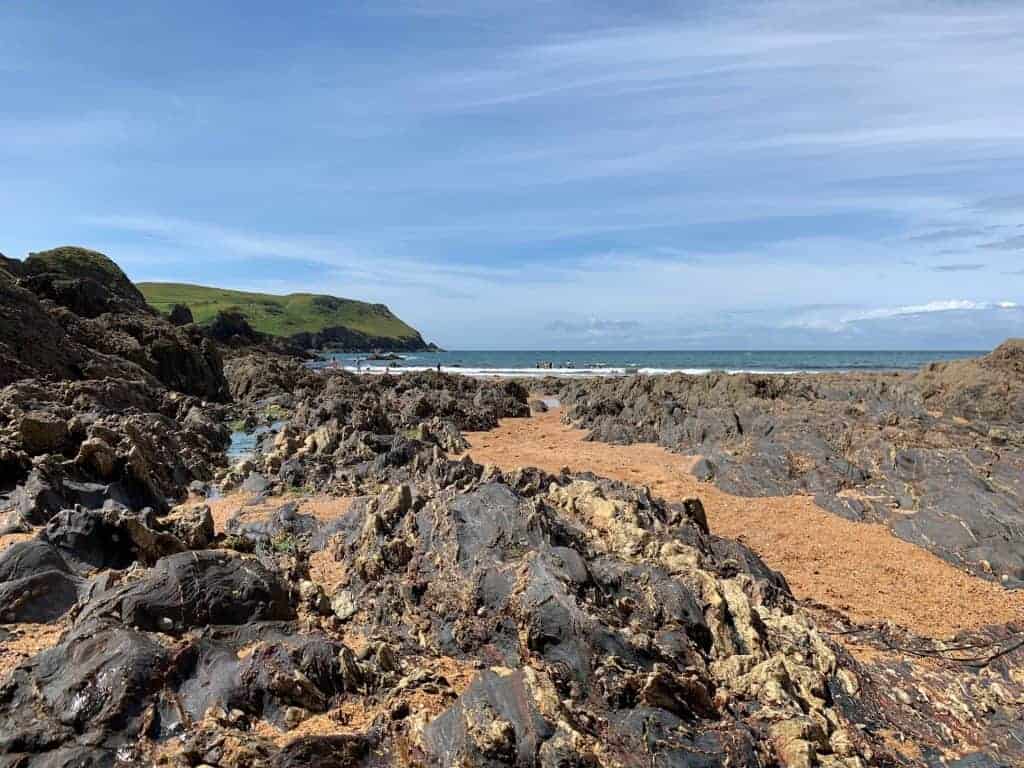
472,616
937,455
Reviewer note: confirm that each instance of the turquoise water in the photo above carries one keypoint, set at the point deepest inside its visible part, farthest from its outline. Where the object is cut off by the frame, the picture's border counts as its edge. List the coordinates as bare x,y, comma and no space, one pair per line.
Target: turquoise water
591,363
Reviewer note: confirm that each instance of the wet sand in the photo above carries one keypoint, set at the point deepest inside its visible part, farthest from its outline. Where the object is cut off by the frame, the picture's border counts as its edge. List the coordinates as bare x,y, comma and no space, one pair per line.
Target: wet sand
859,569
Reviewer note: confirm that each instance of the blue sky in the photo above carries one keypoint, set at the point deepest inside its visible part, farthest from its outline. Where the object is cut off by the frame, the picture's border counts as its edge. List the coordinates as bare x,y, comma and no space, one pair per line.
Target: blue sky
831,174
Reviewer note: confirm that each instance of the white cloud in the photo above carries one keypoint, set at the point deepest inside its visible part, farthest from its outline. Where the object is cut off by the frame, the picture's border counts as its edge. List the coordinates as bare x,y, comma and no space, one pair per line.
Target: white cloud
948,305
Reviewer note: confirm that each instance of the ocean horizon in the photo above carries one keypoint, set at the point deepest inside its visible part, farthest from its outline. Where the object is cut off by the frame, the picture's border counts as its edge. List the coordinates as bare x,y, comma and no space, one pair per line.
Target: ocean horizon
586,363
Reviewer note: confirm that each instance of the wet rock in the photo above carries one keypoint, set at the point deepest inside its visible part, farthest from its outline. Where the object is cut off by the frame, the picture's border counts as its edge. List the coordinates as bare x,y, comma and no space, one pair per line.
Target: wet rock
194,589
54,700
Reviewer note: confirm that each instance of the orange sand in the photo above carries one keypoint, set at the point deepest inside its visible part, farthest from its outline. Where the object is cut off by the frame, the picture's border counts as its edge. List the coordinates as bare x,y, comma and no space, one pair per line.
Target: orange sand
323,507
13,538
27,640
857,568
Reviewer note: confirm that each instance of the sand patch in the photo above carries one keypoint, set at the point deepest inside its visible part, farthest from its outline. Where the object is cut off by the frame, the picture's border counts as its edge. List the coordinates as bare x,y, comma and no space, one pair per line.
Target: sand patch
26,640
326,571
251,508
858,568
13,538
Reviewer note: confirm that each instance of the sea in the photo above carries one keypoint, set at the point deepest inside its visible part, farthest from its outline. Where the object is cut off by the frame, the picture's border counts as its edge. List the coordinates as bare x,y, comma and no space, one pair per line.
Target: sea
575,363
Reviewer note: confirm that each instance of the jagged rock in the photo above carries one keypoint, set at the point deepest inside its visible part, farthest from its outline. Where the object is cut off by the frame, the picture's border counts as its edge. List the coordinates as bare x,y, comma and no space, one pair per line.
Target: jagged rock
95,539
12,266
493,618
180,315
72,314
284,524
37,499
494,723
192,525
31,340
130,443
232,328
96,456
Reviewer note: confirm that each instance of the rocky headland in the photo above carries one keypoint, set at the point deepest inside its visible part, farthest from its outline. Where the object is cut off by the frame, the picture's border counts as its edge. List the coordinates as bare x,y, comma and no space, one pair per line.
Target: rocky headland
348,593
302,321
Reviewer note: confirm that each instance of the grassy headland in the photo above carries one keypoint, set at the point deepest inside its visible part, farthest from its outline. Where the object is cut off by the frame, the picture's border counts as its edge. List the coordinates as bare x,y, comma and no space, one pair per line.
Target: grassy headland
281,315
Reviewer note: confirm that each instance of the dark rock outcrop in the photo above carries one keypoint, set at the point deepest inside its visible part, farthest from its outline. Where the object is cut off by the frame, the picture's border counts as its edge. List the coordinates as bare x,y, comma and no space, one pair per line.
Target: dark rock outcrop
12,266
32,342
74,315
86,282
351,340
180,315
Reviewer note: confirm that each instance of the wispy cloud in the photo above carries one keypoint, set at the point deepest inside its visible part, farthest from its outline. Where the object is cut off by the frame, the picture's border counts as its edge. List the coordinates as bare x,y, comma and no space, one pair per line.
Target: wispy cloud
1004,203
943,235
963,267
1009,244
932,307
594,327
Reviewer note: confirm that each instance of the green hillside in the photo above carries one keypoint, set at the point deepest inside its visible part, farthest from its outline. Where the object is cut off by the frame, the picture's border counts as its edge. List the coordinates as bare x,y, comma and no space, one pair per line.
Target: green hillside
280,315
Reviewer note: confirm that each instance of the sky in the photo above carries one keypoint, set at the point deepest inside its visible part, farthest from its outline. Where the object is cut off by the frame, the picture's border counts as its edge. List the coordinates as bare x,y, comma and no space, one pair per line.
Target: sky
835,174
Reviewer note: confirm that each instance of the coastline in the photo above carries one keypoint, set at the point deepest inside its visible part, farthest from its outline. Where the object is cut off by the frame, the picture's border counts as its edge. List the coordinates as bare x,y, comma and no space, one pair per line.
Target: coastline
809,564
568,364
